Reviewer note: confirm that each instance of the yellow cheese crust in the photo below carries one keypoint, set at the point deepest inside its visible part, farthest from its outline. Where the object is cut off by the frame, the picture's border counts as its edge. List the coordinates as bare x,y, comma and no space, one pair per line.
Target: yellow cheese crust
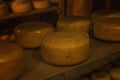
107,29
74,23
11,61
65,48
30,34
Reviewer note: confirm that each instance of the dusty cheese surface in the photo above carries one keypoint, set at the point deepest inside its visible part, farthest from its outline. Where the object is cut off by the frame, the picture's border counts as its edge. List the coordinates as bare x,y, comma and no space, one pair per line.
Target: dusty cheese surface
107,29
74,23
65,48
11,61
115,73
100,76
105,14
21,6
41,4
30,34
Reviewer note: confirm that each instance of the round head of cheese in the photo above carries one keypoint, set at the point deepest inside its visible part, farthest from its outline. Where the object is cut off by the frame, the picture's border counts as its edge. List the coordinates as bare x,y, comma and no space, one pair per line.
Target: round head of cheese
30,34
106,14
115,73
65,48
101,76
21,6
74,23
107,29
40,4
11,61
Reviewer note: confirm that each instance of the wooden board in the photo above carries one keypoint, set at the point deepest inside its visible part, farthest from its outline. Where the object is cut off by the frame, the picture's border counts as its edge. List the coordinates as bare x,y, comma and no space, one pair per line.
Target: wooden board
101,53
17,15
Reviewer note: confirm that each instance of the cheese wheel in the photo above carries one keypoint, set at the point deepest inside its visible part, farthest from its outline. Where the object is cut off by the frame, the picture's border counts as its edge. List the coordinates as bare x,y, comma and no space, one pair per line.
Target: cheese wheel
115,73
65,48
74,23
11,61
105,14
107,29
83,78
21,6
41,4
100,76
3,9
30,34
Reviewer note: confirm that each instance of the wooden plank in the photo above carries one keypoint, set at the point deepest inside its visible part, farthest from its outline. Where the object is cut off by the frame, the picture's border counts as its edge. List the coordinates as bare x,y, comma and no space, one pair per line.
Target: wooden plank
101,53
17,15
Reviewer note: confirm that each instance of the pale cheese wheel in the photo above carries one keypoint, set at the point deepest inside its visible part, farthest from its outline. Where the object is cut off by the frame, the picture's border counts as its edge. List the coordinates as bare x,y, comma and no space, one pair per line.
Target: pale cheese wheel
115,73
21,6
65,48
41,4
3,9
105,14
107,29
74,23
100,76
11,61
30,34
83,78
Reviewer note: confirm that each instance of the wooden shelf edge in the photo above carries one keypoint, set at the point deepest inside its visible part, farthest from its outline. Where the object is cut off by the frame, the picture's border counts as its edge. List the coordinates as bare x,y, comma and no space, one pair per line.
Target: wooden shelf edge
17,15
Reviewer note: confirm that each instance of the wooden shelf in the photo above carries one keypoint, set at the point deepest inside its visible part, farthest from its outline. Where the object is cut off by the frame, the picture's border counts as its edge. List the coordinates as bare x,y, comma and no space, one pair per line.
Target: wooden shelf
17,15
101,53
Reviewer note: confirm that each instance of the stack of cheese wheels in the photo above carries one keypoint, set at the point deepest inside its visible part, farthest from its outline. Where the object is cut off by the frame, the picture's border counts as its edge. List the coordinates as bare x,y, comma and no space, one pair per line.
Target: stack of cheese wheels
100,76
115,73
107,29
11,61
74,23
65,48
21,6
3,9
105,14
30,34
41,4
83,78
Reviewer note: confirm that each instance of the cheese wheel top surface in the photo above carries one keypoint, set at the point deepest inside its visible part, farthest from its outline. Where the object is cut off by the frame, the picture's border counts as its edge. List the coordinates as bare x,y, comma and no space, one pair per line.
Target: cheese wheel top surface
115,73
101,76
9,51
69,38
74,19
31,26
106,14
109,23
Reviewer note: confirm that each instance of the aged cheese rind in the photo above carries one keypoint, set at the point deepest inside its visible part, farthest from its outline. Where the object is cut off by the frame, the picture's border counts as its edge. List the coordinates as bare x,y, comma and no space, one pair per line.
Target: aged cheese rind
74,23
30,34
21,6
100,76
107,29
115,73
11,61
65,48
41,4
105,14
